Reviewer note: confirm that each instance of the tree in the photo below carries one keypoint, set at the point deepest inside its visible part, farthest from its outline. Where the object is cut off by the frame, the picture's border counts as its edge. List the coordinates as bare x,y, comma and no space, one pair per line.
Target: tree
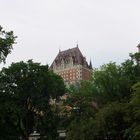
113,82
135,100
83,102
135,57
7,39
25,91
117,113
110,122
133,132
81,130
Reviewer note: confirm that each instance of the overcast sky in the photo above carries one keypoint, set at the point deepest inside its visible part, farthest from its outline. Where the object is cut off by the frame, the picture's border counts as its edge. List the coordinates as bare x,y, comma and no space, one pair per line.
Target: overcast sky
106,30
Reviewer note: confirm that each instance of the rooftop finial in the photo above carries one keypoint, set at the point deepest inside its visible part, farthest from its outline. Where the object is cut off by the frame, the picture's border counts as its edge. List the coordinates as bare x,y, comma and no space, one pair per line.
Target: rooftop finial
59,49
77,44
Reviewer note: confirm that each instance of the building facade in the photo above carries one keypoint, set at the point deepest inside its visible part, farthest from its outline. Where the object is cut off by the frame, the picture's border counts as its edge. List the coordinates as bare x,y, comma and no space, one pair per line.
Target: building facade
72,66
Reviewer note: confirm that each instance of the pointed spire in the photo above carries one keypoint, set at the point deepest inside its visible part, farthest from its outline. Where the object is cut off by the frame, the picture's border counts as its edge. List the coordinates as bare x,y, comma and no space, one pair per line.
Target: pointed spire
90,64
59,49
77,44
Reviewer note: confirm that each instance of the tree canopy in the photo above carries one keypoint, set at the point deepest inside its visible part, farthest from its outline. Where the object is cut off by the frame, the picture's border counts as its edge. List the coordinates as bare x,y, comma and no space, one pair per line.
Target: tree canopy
25,90
7,39
114,113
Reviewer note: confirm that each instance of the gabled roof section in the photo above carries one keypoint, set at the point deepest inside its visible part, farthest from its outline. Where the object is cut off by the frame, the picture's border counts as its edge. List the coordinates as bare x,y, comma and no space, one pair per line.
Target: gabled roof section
74,54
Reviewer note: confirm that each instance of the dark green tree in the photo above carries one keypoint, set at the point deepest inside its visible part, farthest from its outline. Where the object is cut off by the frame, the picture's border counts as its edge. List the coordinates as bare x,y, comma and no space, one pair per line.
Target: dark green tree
133,109
135,100
111,122
83,102
113,83
25,92
116,104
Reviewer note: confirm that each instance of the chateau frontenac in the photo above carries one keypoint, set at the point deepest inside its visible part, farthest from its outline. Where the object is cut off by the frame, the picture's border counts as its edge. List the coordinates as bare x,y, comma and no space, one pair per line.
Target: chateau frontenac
72,66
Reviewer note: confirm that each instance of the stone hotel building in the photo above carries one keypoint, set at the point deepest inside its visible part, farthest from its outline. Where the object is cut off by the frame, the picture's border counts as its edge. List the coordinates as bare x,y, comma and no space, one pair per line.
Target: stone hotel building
72,66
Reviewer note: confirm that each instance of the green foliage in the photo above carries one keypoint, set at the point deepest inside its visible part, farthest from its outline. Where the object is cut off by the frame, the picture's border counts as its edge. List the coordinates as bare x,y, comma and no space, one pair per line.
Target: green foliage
133,131
113,83
110,122
115,92
25,91
82,89
82,99
135,57
7,39
135,100
81,130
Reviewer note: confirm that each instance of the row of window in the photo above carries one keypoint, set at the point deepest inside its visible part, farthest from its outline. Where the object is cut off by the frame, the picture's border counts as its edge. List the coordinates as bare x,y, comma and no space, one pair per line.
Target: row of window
70,72
72,77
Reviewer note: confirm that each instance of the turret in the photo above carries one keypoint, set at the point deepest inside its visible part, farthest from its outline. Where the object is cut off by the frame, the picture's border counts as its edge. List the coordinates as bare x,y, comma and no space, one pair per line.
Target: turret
138,47
90,65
